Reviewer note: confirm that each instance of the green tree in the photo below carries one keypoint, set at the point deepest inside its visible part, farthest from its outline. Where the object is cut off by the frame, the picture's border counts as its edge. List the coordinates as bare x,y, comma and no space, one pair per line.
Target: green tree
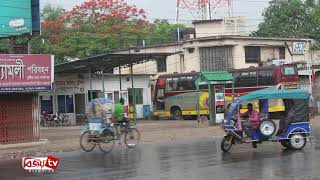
292,18
161,31
286,18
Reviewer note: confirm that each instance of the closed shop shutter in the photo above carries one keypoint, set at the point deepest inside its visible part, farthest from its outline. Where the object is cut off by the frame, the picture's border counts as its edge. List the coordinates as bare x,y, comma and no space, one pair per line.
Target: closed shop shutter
18,118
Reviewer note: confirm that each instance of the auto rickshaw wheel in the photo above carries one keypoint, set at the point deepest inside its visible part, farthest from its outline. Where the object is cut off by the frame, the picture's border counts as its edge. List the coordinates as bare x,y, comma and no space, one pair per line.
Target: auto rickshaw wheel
297,141
227,142
267,127
285,143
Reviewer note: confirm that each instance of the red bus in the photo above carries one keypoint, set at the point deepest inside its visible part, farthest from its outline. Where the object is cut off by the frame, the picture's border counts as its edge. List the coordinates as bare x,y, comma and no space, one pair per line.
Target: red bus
175,94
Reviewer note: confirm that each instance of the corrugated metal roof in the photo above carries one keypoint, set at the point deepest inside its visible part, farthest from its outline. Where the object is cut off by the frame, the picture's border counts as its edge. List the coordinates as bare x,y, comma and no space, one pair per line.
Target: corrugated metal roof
107,61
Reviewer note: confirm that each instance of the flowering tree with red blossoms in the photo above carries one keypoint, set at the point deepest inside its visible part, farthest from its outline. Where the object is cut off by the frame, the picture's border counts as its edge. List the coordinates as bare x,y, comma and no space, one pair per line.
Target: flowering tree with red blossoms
97,26
103,25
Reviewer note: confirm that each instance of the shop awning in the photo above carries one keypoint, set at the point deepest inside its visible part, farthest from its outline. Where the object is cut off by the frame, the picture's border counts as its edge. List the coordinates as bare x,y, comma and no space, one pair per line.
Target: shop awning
214,77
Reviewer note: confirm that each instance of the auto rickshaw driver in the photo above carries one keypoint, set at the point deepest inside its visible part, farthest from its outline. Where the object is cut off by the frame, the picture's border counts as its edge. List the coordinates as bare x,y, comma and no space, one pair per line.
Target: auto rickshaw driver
252,118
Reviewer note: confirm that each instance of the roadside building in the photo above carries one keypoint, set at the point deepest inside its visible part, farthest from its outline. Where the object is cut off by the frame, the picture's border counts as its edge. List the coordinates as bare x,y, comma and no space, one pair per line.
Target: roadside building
71,93
22,77
221,44
77,82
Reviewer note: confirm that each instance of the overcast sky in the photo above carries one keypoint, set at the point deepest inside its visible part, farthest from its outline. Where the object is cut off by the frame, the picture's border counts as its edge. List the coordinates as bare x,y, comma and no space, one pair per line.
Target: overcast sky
165,9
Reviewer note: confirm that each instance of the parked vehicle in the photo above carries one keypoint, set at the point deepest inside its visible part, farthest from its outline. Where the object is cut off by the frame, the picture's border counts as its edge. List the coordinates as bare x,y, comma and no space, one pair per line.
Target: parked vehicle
293,136
49,120
175,94
63,120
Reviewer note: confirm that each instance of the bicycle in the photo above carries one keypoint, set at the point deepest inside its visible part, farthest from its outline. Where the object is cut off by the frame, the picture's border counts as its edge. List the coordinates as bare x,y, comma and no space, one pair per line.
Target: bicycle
131,135
64,120
105,135
97,133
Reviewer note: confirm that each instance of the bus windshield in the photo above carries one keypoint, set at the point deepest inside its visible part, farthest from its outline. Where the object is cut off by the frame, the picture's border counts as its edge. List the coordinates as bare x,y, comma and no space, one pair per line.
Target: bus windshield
289,70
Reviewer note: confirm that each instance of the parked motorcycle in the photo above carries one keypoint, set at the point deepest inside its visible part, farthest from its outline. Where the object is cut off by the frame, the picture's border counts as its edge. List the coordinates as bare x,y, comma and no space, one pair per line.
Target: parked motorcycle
49,120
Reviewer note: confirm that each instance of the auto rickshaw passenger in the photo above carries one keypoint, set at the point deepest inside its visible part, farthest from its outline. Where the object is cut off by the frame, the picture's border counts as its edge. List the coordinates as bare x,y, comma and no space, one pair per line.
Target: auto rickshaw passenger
284,123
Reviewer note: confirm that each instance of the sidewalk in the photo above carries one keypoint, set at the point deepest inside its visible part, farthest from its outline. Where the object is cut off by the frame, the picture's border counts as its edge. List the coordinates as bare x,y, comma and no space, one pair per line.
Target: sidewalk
63,139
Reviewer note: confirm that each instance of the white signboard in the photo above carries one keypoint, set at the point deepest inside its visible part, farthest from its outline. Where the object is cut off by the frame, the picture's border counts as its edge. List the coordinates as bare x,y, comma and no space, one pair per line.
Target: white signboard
298,47
279,62
219,117
305,87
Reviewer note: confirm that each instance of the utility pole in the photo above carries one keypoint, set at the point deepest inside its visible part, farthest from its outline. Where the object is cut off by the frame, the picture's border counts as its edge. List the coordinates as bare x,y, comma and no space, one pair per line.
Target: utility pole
310,69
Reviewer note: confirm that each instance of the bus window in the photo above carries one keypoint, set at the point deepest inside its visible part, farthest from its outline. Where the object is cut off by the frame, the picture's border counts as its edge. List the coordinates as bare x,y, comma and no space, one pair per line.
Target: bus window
172,84
182,83
236,77
247,79
265,78
186,83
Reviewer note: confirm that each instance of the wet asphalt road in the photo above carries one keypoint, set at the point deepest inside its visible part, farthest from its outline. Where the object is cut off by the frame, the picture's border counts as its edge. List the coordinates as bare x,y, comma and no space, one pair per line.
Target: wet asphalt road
197,160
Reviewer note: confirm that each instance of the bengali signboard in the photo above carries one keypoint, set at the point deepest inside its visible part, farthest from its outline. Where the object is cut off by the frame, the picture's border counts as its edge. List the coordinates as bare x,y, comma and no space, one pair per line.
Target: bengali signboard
298,47
75,86
26,72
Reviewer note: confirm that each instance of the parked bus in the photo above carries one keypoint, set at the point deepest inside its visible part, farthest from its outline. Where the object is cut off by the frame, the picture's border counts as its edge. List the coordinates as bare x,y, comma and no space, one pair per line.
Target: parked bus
175,94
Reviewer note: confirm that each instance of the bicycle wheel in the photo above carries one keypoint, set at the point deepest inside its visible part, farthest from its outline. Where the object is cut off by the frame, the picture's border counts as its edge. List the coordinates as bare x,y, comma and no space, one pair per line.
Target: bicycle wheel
107,141
131,137
86,143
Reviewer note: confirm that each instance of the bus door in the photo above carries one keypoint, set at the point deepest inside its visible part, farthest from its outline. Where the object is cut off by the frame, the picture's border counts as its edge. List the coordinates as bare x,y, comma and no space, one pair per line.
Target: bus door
159,94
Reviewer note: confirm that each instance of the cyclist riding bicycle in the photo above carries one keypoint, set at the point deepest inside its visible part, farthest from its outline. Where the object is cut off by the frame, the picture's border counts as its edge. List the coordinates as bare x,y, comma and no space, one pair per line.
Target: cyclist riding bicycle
119,113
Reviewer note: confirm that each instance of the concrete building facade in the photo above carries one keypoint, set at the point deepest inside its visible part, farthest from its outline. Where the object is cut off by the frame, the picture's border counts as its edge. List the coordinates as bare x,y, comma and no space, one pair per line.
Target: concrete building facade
223,52
71,93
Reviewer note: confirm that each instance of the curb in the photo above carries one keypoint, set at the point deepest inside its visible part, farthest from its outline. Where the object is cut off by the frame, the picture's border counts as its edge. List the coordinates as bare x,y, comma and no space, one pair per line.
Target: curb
24,145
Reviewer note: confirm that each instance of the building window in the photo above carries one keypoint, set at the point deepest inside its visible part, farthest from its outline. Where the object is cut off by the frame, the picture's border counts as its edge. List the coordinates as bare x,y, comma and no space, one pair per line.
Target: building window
252,54
138,94
46,104
116,97
282,53
65,104
162,65
110,95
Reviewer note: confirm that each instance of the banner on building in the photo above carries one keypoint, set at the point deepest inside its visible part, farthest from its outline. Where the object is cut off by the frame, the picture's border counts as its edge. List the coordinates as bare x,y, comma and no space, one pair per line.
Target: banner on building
279,62
26,72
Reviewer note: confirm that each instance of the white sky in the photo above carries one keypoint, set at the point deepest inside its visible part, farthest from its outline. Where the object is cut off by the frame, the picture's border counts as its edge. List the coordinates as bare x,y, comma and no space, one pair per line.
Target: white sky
166,9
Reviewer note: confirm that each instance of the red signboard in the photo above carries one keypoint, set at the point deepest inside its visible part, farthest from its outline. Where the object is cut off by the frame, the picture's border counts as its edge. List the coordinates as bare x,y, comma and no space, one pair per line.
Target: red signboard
26,72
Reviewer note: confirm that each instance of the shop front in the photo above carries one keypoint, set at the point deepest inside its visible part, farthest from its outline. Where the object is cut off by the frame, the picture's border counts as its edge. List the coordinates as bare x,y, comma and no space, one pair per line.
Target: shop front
71,95
67,98
22,77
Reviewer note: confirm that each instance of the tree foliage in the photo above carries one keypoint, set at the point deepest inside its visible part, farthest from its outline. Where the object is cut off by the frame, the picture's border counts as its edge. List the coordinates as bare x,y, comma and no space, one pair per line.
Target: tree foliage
291,18
98,26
